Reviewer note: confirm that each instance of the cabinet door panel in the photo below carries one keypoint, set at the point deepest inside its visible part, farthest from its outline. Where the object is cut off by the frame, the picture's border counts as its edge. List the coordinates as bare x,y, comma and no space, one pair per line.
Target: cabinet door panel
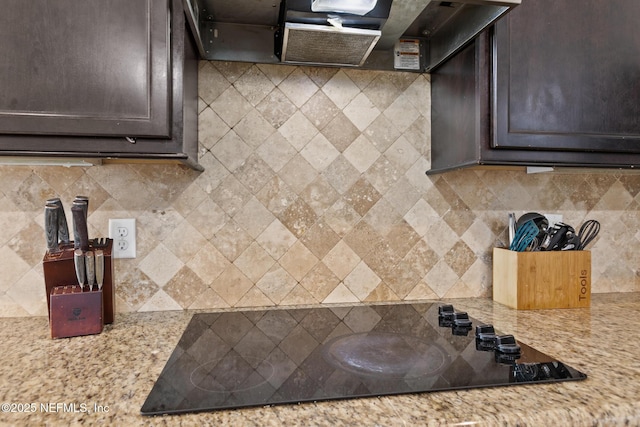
567,76
91,67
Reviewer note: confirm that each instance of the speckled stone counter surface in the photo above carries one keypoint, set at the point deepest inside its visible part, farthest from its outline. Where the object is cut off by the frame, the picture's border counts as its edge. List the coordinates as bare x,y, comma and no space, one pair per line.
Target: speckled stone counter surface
105,379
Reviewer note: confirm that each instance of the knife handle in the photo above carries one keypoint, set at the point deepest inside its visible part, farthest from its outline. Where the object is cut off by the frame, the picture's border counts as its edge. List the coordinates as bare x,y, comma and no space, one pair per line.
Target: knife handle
63,227
84,202
78,262
80,233
99,268
90,264
51,228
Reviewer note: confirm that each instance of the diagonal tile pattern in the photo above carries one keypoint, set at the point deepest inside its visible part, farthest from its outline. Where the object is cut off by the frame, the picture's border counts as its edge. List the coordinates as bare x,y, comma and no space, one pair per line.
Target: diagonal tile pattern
314,192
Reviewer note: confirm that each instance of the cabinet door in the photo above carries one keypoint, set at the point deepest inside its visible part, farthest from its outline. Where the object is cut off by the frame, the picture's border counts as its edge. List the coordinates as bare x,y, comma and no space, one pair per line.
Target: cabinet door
567,76
90,67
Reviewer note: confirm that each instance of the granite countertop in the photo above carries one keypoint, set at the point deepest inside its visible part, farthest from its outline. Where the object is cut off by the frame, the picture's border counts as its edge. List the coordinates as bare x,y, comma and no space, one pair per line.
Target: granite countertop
105,379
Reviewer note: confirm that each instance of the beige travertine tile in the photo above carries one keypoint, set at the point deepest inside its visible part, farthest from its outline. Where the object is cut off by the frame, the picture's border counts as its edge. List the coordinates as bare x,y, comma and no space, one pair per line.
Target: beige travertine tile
276,239
207,218
341,174
254,173
160,302
254,262
276,108
29,293
320,75
341,217
232,71
276,72
231,106
362,154
340,89
185,287
184,241
298,130
211,83
254,129
208,263
340,131
401,113
361,281
309,172
161,265
362,239
298,87
276,284
320,110
21,245
231,285
298,261
382,91
231,240
341,260
320,195
298,217
12,268
361,111
319,152
276,195
362,196
298,173
276,151
210,128
320,239
231,195
319,282
253,85
231,151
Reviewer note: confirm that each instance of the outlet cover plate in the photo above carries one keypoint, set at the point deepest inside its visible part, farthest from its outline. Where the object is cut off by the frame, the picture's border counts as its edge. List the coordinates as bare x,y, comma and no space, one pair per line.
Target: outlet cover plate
123,233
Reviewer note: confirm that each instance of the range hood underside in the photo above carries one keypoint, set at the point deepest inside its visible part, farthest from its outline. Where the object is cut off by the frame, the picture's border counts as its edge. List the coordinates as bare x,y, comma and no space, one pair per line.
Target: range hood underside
245,30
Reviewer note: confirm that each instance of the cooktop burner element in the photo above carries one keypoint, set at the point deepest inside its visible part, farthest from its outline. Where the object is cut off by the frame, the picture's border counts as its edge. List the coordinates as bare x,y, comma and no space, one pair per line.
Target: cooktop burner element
253,358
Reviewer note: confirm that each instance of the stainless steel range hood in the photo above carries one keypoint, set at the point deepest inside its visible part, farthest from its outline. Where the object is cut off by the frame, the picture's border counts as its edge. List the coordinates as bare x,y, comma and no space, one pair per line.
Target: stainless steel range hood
260,31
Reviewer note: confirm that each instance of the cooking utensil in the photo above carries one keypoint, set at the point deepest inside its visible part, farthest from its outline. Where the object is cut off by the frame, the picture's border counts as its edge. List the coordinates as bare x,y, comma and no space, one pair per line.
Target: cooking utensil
80,233
63,227
558,237
78,262
99,268
512,227
524,236
587,232
90,264
51,228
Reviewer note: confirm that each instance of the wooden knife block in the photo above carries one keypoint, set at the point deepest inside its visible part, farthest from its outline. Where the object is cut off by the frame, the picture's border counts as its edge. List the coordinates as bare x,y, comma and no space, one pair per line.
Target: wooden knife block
59,270
75,313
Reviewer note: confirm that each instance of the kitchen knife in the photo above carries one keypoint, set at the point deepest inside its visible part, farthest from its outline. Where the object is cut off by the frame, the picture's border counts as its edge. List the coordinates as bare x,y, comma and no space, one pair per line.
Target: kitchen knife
51,228
63,227
90,264
78,262
80,233
99,268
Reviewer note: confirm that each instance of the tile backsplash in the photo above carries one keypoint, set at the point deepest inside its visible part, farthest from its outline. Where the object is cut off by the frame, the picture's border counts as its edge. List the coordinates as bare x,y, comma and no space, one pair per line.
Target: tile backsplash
314,192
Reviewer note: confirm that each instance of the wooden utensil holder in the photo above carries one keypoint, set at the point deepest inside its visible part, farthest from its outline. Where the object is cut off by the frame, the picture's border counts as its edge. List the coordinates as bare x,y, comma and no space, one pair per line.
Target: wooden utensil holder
75,313
59,270
539,280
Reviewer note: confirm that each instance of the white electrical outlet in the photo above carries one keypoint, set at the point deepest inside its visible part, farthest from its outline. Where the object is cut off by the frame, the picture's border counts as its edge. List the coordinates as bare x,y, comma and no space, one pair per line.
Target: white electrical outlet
123,233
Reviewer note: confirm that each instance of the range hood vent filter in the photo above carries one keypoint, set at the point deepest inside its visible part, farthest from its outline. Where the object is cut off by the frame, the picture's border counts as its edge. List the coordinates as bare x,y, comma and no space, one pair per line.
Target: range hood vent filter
327,45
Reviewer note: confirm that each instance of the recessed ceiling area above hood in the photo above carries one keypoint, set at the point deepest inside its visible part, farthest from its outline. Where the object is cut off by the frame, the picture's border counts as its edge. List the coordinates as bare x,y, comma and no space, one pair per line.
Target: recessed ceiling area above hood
255,31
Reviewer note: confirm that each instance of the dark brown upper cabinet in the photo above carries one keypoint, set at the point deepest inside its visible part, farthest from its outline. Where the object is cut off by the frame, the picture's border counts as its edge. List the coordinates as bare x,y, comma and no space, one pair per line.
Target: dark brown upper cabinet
98,79
550,84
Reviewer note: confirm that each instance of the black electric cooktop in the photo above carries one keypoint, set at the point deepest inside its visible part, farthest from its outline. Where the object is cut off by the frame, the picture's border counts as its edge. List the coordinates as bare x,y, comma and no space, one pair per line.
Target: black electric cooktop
254,358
